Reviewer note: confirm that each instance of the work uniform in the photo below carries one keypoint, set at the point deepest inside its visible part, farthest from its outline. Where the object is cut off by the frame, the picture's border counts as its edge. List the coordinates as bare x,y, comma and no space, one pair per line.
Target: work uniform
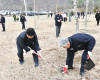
58,24
79,41
23,43
97,16
22,20
3,22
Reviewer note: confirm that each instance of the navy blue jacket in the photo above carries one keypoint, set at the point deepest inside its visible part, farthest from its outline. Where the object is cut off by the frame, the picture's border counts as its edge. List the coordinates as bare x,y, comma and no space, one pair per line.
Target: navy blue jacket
24,42
58,17
81,41
2,20
22,19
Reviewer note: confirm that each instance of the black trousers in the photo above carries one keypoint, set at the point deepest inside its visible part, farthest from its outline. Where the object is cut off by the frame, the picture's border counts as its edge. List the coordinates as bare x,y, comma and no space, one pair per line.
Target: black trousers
65,19
3,26
70,58
20,53
23,25
97,22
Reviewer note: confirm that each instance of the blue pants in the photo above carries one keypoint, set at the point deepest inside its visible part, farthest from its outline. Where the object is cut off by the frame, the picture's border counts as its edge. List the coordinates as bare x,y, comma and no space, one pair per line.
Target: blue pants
57,30
70,58
20,53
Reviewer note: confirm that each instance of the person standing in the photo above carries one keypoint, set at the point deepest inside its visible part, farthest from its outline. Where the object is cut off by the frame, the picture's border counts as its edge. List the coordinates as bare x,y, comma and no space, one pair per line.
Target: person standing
25,40
22,20
2,21
14,16
97,16
51,14
74,43
58,23
65,17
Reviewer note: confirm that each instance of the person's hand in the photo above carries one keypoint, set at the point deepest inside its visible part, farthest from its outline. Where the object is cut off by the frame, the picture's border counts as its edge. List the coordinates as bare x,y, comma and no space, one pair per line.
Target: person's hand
39,54
65,69
32,51
89,54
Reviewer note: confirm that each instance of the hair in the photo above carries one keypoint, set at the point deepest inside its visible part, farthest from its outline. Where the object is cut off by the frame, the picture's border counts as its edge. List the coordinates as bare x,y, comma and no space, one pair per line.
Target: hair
1,14
30,31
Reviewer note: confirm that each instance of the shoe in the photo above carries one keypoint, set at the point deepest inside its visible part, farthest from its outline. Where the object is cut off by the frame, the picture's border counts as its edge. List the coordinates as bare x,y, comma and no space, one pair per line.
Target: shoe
82,73
36,64
21,62
70,67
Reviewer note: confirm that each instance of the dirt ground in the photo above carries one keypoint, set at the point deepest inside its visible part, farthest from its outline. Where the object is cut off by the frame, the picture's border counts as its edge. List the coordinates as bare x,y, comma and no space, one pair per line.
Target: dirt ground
10,69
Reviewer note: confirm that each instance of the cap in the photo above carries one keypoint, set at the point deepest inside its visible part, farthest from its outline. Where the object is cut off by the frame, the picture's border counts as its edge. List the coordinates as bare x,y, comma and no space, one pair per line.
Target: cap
63,41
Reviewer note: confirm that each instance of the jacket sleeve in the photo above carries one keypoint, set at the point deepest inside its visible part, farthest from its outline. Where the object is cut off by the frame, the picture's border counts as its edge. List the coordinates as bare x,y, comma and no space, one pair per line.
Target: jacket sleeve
4,20
36,44
61,17
21,42
91,44
56,18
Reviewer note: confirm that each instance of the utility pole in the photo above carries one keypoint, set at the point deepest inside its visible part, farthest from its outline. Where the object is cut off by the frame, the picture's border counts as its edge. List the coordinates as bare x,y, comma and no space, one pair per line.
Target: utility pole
76,16
86,13
26,14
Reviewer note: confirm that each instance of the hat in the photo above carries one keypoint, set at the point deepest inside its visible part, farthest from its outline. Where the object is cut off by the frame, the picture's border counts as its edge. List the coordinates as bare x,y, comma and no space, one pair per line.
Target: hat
30,31
64,41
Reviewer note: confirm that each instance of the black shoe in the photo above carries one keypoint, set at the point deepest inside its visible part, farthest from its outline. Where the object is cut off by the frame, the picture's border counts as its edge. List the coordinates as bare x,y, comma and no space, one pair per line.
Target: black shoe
70,67
21,62
36,64
82,73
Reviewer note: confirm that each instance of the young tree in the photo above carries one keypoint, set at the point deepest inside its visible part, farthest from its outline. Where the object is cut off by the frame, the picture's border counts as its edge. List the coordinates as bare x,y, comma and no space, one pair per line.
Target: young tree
76,16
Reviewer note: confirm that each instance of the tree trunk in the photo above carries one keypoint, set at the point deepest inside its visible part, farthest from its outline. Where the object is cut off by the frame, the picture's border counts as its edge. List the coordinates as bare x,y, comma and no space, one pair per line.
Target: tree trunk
76,16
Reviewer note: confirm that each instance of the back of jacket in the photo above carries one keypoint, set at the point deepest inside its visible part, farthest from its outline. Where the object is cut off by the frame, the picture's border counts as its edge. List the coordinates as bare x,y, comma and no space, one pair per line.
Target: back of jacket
2,19
81,41
24,41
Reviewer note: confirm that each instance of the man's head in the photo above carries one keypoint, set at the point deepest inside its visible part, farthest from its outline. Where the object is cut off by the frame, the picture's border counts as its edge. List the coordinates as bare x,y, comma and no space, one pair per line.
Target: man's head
30,33
64,42
23,15
59,12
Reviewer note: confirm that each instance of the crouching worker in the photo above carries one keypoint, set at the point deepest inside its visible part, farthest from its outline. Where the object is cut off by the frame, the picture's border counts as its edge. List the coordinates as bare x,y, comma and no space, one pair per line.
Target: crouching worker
74,43
25,40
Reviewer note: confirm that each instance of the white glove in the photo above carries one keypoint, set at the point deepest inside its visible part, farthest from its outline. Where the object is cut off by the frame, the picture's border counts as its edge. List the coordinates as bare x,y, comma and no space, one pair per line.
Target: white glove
58,20
32,51
89,53
39,54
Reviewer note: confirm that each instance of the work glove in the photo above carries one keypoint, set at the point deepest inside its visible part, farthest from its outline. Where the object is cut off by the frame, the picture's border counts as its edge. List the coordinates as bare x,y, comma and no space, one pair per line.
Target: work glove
32,51
58,20
65,69
39,54
89,54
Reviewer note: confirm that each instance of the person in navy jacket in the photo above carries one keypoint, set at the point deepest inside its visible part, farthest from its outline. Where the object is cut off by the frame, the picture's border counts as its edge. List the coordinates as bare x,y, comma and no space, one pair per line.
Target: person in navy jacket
25,40
2,21
74,43
58,23
22,20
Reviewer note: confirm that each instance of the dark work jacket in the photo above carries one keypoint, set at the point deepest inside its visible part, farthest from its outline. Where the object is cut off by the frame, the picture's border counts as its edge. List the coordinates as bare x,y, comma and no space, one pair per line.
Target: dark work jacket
2,20
23,41
22,19
58,17
81,41
97,16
